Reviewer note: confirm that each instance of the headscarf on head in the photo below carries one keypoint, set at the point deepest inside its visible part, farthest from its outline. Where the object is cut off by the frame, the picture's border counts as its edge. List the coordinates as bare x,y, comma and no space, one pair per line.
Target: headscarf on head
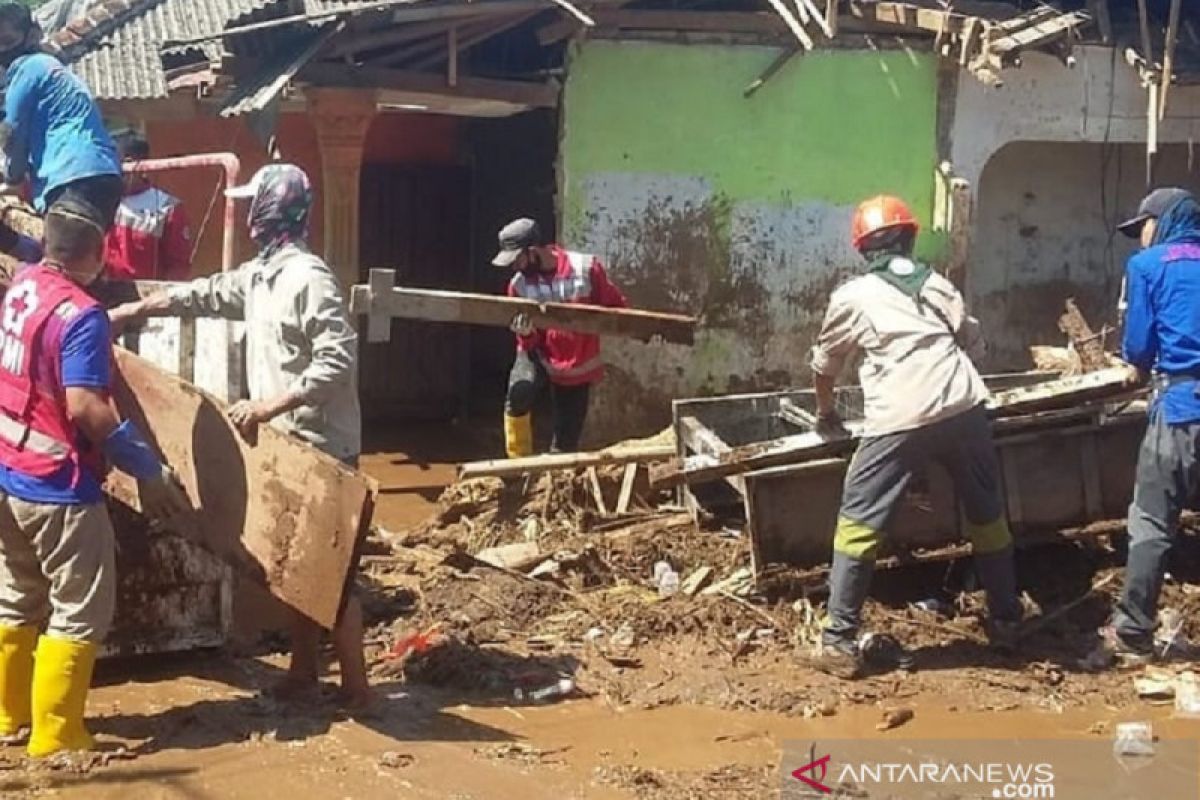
1180,224
280,209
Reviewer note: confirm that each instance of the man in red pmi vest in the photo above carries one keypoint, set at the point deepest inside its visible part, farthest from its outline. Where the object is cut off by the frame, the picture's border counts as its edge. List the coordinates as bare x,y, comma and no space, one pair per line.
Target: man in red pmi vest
58,425
566,361
151,239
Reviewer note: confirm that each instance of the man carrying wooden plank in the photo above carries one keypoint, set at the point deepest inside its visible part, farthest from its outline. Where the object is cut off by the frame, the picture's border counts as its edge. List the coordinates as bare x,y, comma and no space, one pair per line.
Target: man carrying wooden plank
1162,336
566,361
923,401
57,426
301,362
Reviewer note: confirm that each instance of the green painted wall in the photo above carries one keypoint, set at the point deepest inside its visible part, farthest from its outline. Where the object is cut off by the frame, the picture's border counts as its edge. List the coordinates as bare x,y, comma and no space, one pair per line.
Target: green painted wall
736,210
832,125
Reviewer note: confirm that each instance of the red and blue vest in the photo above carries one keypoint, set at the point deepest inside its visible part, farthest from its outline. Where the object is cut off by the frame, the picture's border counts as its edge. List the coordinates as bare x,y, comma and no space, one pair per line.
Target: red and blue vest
36,436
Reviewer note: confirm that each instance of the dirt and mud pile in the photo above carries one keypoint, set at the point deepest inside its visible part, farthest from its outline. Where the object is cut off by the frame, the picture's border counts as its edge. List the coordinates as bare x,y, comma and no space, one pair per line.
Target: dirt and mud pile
514,587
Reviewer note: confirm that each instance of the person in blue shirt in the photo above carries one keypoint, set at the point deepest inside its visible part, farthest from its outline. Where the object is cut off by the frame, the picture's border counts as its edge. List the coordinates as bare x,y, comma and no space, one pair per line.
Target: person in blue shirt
1161,339
53,134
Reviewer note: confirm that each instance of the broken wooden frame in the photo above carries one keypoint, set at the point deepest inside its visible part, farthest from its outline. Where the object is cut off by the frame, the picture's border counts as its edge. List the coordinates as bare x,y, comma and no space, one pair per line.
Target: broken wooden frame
1036,395
381,301
1061,470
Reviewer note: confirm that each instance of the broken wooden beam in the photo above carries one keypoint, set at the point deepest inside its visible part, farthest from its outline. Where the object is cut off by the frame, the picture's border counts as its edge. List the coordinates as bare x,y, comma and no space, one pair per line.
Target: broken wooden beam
799,448
1088,344
281,513
380,303
532,465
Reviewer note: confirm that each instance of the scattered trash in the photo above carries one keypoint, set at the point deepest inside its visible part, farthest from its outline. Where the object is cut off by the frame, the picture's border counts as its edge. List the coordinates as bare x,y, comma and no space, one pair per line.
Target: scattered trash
561,688
1154,688
511,556
1187,696
624,638
696,581
593,634
1170,639
414,643
936,606
668,583
894,718
884,651
1134,739
394,760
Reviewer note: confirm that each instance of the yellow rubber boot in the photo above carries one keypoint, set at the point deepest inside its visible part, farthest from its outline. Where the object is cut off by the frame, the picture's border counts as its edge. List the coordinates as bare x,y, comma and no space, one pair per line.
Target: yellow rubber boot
518,435
62,674
16,676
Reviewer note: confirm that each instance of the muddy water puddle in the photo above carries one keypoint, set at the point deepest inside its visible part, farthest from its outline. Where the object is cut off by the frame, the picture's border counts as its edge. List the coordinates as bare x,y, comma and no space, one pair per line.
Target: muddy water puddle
200,737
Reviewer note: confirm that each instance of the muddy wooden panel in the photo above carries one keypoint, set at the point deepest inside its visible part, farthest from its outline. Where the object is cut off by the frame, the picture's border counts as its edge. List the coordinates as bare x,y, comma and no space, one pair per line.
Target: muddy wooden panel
280,513
792,512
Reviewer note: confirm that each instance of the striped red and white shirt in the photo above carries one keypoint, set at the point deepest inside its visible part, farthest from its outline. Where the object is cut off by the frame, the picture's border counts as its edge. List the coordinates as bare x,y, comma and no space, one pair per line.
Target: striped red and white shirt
151,239
570,358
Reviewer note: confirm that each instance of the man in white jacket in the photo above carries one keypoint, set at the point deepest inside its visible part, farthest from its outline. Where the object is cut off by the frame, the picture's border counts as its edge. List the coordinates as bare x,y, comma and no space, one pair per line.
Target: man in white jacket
923,401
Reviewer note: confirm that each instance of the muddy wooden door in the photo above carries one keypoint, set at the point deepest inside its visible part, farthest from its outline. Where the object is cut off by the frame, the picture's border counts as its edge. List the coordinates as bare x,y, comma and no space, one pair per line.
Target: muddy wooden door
417,221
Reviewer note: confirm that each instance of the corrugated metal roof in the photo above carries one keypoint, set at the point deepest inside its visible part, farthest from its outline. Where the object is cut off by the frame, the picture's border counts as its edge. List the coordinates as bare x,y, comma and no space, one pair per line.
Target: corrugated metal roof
123,48
125,60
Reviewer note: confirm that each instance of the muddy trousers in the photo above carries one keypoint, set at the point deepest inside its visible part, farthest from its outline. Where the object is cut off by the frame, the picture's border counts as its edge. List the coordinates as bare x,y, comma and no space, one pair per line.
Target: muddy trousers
57,570
875,484
526,382
1168,473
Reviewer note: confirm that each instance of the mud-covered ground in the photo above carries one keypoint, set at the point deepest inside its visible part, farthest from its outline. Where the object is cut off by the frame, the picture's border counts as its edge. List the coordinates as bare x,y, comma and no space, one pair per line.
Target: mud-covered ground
685,696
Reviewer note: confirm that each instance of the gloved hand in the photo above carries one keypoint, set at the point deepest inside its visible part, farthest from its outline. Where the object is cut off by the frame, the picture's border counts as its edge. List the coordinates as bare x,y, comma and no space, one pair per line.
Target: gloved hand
27,250
654,339
521,325
830,426
163,497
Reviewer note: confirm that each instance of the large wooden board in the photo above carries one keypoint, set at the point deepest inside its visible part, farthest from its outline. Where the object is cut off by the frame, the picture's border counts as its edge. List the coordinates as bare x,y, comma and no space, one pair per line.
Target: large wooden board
279,512
380,303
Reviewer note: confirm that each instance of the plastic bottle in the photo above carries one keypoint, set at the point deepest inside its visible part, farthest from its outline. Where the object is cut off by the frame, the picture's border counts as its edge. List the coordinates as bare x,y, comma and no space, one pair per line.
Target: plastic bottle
562,688
668,583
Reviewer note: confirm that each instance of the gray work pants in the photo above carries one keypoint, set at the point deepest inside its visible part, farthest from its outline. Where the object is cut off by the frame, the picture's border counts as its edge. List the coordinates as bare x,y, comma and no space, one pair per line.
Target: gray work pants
1167,475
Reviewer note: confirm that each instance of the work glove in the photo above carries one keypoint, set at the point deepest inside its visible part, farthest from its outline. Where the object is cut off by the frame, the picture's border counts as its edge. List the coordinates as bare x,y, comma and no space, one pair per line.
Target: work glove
521,325
830,426
163,497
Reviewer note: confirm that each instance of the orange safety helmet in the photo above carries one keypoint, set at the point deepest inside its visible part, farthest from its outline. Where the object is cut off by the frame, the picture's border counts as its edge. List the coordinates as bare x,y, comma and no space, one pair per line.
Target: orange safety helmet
880,213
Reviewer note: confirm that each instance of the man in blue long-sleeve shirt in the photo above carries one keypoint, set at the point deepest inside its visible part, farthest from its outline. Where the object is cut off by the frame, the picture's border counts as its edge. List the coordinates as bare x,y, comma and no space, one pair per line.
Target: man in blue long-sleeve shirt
52,133
1162,337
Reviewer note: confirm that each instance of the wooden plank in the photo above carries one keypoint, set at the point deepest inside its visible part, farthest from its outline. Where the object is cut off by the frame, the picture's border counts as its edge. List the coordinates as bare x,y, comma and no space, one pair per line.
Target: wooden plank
793,24
1088,344
524,93
790,412
379,326
1169,58
515,467
282,514
794,449
627,480
482,309
688,21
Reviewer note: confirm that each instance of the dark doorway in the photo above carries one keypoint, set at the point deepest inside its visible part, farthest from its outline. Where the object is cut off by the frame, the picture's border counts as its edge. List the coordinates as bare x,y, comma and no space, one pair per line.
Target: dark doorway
417,221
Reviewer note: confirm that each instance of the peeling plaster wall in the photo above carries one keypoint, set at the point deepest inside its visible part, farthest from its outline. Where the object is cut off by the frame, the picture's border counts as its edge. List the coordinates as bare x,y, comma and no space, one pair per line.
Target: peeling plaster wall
738,210
1055,158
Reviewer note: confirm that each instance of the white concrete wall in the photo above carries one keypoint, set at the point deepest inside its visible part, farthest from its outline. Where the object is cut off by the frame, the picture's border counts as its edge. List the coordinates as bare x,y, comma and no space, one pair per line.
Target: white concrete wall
1055,159
1099,100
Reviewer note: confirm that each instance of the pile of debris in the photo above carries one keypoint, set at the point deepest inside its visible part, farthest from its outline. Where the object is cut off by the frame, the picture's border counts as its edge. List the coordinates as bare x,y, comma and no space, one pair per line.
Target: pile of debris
523,591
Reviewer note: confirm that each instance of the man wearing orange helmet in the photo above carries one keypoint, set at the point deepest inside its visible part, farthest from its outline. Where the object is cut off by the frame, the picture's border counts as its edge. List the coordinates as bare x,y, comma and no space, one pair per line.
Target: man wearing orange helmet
922,402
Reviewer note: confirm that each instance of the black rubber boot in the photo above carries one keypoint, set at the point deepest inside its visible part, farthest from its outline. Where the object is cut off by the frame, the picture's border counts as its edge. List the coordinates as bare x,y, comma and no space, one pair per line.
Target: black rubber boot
998,575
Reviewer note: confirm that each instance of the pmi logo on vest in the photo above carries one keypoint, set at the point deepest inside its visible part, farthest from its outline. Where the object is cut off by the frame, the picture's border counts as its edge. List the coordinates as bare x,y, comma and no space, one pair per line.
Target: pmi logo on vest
1075,768
1011,781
